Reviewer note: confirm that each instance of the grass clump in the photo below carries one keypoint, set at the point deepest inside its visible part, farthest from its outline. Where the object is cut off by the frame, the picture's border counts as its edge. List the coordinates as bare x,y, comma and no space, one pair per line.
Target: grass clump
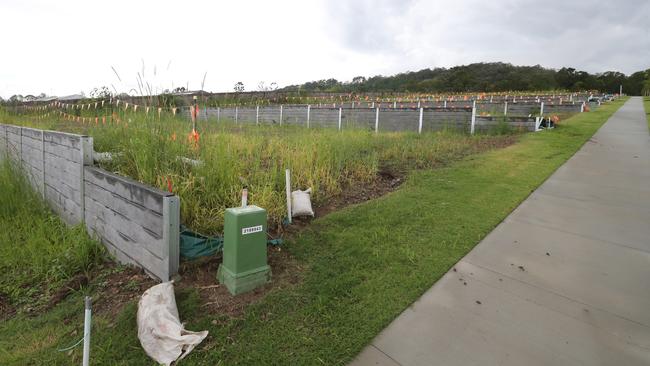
38,252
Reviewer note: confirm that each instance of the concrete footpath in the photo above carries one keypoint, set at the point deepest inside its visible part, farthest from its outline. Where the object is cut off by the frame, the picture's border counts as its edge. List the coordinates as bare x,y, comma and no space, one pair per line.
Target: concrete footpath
564,280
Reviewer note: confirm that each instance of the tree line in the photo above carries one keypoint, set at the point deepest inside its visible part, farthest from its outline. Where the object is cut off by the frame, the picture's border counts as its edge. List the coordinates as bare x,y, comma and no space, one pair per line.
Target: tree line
487,77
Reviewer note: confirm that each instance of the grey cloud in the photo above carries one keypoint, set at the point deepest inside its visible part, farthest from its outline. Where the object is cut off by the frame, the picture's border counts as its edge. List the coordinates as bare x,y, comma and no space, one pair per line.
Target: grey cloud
363,25
597,35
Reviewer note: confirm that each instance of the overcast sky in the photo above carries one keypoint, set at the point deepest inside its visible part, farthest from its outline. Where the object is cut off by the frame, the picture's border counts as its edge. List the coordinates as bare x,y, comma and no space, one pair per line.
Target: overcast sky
68,46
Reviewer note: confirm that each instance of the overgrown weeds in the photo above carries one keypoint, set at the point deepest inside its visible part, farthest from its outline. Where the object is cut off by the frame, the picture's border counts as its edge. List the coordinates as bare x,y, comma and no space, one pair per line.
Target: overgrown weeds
153,150
38,252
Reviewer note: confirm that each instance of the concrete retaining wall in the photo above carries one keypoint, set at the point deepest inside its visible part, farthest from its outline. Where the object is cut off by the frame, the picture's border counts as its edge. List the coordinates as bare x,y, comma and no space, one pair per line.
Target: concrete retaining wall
139,225
485,123
456,115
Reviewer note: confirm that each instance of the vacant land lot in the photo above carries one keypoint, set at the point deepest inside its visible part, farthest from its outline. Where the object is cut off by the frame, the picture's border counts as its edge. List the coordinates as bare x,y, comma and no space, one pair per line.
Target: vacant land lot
228,157
356,268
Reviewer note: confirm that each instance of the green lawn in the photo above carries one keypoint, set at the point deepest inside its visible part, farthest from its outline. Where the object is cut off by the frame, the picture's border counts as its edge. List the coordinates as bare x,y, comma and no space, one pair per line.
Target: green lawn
363,266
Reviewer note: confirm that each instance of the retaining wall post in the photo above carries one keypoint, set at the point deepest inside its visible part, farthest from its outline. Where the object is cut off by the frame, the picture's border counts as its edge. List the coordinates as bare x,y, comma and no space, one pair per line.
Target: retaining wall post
376,120
471,127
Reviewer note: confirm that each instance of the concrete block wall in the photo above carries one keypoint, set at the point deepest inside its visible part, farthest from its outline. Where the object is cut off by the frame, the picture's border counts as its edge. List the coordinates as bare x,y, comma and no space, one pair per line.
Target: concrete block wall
325,117
270,114
32,157
485,123
401,119
436,116
562,108
294,115
52,162
64,157
361,118
139,225
438,119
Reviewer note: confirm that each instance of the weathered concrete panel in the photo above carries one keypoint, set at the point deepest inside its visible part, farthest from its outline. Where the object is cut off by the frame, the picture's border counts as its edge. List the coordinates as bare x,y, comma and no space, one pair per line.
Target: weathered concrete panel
439,119
484,123
270,114
64,207
64,139
133,220
149,220
324,117
129,189
67,152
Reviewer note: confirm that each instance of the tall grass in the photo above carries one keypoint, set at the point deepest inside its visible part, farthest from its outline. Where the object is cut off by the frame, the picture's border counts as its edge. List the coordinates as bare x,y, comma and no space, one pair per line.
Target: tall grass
246,155
38,252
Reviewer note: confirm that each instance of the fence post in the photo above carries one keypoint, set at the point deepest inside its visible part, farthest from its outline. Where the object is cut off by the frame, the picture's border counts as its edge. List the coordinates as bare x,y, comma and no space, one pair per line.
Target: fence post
257,115
420,124
308,113
394,104
418,103
505,108
376,120
218,114
236,114
472,126
582,107
444,105
541,109
280,114
340,115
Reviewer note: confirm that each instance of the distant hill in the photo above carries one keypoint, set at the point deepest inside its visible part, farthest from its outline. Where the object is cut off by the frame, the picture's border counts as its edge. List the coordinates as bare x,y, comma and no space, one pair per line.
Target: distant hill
488,77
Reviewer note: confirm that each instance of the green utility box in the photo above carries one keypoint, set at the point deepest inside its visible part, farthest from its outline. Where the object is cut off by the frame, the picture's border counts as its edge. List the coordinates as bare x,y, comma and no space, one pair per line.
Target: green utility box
244,266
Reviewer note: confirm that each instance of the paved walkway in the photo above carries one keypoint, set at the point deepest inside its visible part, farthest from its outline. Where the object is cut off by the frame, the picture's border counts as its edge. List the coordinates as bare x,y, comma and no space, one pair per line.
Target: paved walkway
564,280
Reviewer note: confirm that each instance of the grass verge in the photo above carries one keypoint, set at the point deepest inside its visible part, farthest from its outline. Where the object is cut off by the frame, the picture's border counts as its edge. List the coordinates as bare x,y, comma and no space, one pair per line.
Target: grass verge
363,266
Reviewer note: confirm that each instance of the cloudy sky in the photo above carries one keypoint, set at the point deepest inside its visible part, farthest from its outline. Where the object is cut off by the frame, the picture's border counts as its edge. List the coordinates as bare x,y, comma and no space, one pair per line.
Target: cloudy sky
68,46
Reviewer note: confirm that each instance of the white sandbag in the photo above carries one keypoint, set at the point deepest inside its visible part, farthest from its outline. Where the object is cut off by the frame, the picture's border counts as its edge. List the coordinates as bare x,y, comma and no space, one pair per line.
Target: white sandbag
160,331
301,203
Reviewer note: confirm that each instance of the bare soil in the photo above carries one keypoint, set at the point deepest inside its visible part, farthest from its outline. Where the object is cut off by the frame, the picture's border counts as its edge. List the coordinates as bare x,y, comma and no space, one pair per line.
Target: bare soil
6,310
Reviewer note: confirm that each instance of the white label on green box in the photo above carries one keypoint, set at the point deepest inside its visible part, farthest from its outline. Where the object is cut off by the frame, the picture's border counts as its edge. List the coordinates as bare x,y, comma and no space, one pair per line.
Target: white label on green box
251,230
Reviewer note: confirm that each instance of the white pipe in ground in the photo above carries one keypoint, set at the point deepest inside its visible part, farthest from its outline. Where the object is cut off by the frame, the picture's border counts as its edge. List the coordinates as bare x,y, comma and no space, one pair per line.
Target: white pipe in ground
87,322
